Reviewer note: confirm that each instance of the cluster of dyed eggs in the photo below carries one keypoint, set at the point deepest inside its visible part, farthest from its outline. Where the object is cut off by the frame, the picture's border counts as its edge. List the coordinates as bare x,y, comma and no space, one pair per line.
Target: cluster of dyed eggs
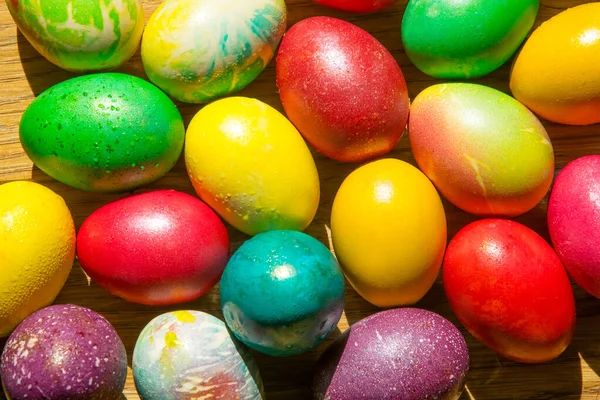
282,292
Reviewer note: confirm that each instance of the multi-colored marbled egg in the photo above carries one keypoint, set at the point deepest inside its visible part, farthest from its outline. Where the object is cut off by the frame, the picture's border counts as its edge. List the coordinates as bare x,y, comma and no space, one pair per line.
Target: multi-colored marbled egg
282,293
106,132
81,35
484,151
191,355
197,50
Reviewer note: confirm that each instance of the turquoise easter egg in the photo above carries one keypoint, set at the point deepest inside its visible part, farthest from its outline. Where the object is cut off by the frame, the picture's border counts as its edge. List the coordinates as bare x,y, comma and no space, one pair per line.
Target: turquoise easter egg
282,293
465,39
105,132
186,355
197,50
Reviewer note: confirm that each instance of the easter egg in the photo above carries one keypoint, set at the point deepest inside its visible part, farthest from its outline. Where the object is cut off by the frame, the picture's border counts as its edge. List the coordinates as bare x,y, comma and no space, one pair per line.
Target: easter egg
509,289
556,73
191,355
250,164
483,150
465,39
388,228
156,248
405,353
359,6
105,132
342,89
282,293
81,35
197,50
37,249
64,352
574,221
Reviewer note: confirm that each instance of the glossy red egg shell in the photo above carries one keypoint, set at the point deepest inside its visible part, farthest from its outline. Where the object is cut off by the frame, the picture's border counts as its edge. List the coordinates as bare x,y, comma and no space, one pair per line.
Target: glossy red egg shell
342,89
359,6
156,248
509,289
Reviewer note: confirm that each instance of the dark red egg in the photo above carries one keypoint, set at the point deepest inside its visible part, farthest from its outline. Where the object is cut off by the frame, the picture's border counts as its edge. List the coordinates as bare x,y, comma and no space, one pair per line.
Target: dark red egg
156,248
342,89
358,6
509,289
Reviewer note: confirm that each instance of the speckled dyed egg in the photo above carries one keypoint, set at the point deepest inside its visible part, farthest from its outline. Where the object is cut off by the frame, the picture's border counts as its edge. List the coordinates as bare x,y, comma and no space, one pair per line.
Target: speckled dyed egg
400,354
509,289
467,38
282,293
64,352
156,248
389,232
342,89
185,355
197,50
359,6
250,164
574,221
81,35
104,132
556,73
483,150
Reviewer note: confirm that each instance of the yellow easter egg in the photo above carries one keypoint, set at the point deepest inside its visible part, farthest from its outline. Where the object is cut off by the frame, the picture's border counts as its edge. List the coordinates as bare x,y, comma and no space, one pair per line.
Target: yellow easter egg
250,164
556,73
389,232
37,249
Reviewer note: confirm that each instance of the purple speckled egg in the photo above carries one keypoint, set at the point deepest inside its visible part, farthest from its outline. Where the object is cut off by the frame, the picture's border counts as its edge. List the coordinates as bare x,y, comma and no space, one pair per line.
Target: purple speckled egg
400,354
64,352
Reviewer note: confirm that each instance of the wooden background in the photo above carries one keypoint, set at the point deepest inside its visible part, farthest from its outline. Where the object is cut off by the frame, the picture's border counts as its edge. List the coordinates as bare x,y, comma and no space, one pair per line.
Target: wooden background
24,74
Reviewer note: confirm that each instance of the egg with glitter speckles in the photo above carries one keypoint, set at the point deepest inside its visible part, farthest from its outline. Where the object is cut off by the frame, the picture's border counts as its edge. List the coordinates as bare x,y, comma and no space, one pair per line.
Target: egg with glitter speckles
342,89
282,293
190,354
198,50
64,352
106,132
400,354
483,150
156,248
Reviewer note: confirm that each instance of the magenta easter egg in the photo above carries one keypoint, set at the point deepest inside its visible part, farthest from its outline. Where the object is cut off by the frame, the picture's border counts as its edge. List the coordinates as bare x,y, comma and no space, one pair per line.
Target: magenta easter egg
400,354
357,6
574,221
155,248
342,89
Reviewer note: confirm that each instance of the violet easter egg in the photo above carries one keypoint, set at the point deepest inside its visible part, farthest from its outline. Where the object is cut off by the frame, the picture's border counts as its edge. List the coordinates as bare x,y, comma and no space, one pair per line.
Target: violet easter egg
574,221
64,352
388,228
185,355
509,289
81,35
483,150
156,248
465,39
250,164
556,73
106,132
358,6
400,354
198,50
342,89
282,293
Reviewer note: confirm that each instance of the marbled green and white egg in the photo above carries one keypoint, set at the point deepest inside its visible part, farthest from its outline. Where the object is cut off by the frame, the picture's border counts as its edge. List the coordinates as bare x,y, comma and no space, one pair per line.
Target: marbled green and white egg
81,35
197,50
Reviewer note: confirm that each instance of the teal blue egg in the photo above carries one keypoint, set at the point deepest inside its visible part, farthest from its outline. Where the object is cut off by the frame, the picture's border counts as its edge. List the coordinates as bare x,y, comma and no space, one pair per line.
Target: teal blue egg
282,293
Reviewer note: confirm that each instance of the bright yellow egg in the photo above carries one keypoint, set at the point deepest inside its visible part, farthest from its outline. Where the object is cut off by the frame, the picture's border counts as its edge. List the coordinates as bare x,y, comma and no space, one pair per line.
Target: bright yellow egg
389,232
250,164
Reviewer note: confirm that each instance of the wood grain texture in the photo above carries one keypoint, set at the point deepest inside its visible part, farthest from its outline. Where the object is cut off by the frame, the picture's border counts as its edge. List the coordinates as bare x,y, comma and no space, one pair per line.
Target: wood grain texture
24,74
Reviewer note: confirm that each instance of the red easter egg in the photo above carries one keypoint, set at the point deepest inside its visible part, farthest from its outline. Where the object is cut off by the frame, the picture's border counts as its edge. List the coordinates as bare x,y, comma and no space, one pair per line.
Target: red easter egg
156,248
359,6
342,89
509,289
574,221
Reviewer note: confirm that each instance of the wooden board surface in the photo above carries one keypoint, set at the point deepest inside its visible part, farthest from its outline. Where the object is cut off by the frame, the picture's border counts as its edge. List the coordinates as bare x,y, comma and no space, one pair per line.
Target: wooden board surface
24,74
